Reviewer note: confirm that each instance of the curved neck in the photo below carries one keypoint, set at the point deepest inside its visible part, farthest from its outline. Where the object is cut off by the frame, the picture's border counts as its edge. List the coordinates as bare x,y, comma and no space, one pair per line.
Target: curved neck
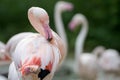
59,26
36,24
80,40
42,28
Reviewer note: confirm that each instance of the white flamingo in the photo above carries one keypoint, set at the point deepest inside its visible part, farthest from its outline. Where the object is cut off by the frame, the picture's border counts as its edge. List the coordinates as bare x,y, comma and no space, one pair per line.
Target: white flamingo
39,55
60,7
109,62
85,63
4,59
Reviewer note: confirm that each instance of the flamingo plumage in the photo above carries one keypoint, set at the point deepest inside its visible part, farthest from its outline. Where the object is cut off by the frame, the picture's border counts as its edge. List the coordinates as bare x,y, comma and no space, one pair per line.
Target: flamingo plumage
14,40
13,73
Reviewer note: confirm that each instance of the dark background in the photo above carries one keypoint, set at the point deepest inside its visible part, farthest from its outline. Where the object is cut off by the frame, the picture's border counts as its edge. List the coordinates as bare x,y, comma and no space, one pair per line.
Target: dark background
103,17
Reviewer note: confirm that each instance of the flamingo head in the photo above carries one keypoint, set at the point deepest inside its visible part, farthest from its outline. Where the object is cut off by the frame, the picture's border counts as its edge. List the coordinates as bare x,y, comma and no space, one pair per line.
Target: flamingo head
98,51
40,21
63,6
4,55
32,66
76,20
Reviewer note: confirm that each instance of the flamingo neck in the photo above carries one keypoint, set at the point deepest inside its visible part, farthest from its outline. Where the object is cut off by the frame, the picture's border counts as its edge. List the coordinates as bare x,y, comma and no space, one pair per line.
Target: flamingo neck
80,40
59,26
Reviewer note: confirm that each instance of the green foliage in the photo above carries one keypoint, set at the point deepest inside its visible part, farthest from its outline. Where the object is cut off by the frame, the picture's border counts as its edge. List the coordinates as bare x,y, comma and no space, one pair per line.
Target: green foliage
102,16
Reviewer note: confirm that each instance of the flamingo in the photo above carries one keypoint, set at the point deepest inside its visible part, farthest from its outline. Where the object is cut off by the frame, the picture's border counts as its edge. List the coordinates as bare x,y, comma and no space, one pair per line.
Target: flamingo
85,63
110,64
39,55
3,52
4,59
60,7
13,41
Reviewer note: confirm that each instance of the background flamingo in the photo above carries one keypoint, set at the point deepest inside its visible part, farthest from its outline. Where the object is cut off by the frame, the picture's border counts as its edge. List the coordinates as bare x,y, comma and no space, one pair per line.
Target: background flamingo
109,62
38,55
4,59
85,63
98,51
60,7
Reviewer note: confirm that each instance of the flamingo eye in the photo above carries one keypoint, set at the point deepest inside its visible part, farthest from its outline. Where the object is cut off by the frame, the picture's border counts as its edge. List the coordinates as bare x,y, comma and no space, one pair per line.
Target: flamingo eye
43,73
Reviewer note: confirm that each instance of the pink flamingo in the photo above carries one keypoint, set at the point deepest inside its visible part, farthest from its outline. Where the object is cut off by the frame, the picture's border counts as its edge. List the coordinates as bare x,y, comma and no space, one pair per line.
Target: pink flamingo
60,7
38,56
4,59
85,63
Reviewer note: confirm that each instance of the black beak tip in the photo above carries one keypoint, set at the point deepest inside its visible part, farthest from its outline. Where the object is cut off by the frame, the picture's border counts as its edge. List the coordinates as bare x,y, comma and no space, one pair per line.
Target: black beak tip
49,39
43,74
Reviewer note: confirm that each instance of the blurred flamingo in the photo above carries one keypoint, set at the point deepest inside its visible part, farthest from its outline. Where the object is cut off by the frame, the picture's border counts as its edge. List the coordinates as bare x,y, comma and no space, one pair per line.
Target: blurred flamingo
85,63
4,59
60,7
109,62
39,55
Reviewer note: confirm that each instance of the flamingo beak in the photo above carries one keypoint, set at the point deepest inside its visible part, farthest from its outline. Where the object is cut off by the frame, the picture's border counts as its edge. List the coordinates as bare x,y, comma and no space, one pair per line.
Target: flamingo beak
43,74
69,7
48,32
72,25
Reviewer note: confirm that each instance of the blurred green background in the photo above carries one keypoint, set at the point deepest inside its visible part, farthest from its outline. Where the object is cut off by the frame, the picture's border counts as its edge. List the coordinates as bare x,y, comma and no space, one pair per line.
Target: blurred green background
103,17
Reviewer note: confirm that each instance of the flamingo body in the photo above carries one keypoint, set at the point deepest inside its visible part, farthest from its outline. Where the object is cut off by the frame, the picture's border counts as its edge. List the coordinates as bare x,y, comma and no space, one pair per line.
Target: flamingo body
84,70
109,62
